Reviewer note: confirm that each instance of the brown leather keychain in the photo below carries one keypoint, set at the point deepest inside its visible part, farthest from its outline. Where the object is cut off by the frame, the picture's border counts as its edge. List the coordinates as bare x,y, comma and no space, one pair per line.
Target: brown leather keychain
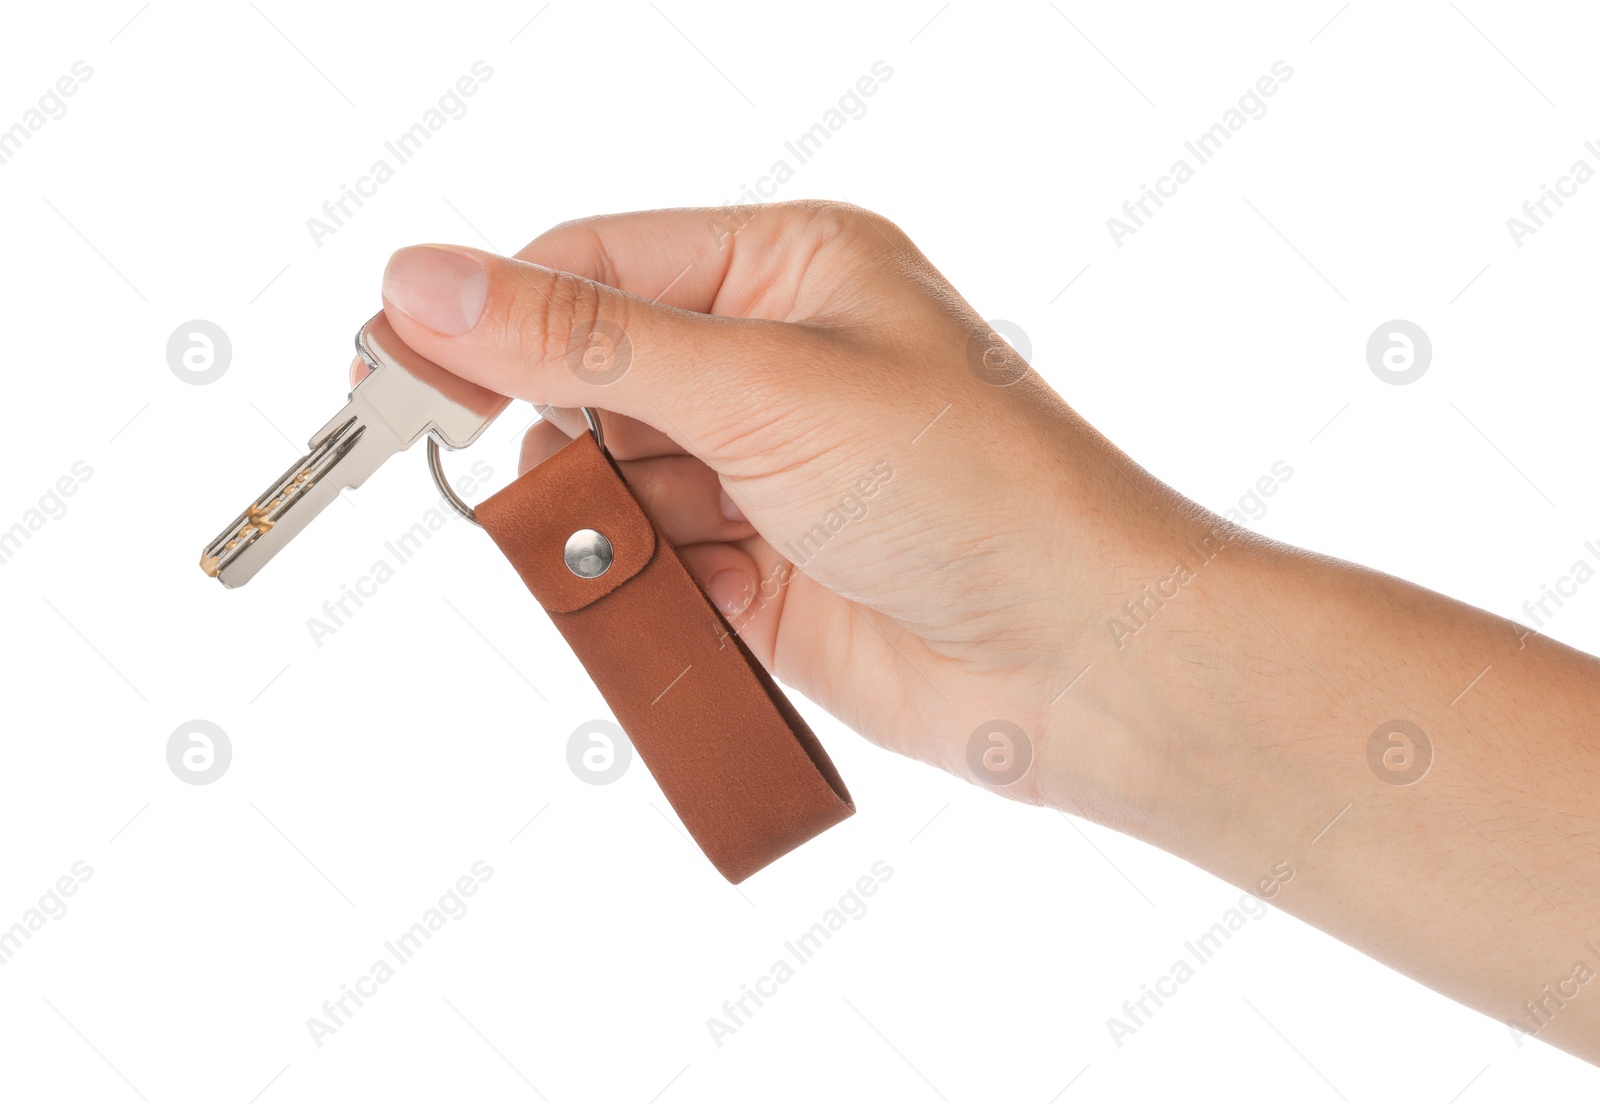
737,762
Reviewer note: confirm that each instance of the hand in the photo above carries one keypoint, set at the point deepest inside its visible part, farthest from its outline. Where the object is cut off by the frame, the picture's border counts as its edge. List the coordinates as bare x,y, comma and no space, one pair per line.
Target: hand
870,485
798,384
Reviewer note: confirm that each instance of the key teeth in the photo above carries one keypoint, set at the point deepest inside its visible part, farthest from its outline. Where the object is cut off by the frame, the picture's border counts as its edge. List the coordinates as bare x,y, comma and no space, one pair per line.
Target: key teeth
406,397
258,519
253,524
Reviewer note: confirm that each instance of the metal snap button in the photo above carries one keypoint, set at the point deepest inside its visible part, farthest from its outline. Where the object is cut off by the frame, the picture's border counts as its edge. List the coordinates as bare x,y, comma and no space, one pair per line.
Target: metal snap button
588,553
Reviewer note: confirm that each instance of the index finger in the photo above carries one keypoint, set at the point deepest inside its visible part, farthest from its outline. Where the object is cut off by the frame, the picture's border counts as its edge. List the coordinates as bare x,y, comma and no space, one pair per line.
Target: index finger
680,257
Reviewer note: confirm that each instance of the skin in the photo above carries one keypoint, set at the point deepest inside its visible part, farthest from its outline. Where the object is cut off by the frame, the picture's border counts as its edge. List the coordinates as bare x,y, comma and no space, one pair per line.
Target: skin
776,355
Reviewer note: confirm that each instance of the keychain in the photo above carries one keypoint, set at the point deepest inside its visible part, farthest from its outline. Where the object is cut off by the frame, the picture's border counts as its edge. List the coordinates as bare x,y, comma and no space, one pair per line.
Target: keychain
734,758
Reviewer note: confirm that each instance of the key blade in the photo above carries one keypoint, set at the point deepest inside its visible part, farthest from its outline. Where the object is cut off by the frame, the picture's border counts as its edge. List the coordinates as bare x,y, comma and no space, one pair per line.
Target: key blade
404,397
346,453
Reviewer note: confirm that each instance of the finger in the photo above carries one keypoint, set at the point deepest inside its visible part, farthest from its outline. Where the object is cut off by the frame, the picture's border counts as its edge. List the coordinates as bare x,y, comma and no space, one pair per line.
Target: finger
543,439
685,500
554,337
755,615
740,261
678,257
726,572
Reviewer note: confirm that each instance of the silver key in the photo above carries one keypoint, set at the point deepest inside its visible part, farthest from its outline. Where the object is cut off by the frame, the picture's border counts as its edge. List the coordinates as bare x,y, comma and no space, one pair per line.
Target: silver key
404,397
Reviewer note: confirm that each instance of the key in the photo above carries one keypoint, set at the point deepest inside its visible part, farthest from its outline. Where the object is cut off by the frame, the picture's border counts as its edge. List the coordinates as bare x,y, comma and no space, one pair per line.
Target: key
404,397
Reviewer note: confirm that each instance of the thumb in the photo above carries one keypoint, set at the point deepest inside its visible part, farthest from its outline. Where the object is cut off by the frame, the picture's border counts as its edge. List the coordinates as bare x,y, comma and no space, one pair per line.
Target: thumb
551,337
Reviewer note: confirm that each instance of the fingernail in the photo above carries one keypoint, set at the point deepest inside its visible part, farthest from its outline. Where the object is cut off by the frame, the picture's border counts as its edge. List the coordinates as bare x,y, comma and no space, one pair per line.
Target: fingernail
731,591
440,289
730,510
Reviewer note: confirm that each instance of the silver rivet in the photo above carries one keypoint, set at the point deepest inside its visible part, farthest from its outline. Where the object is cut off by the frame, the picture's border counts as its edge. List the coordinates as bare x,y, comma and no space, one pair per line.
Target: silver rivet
588,553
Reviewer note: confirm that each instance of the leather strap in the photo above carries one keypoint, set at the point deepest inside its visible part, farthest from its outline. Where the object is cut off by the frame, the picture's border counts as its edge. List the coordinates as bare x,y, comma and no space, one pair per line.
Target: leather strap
734,758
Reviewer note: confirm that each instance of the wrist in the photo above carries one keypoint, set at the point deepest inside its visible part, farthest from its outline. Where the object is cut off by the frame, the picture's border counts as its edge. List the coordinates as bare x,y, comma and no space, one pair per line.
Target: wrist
1172,665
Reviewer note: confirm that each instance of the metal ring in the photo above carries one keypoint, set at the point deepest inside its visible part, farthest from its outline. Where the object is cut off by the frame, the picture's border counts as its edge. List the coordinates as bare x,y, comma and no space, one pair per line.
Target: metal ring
460,506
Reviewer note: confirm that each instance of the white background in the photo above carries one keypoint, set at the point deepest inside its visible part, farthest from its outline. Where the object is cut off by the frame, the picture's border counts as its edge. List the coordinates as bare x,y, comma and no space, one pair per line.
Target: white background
370,772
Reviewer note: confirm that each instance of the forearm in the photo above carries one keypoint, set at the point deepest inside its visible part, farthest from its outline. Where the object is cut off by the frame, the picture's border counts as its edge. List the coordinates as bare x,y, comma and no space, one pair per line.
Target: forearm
1246,706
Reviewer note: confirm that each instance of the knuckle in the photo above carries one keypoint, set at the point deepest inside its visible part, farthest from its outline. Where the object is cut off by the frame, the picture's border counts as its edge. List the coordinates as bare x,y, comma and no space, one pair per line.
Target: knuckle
838,221
541,315
582,238
558,319
571,310
816,224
